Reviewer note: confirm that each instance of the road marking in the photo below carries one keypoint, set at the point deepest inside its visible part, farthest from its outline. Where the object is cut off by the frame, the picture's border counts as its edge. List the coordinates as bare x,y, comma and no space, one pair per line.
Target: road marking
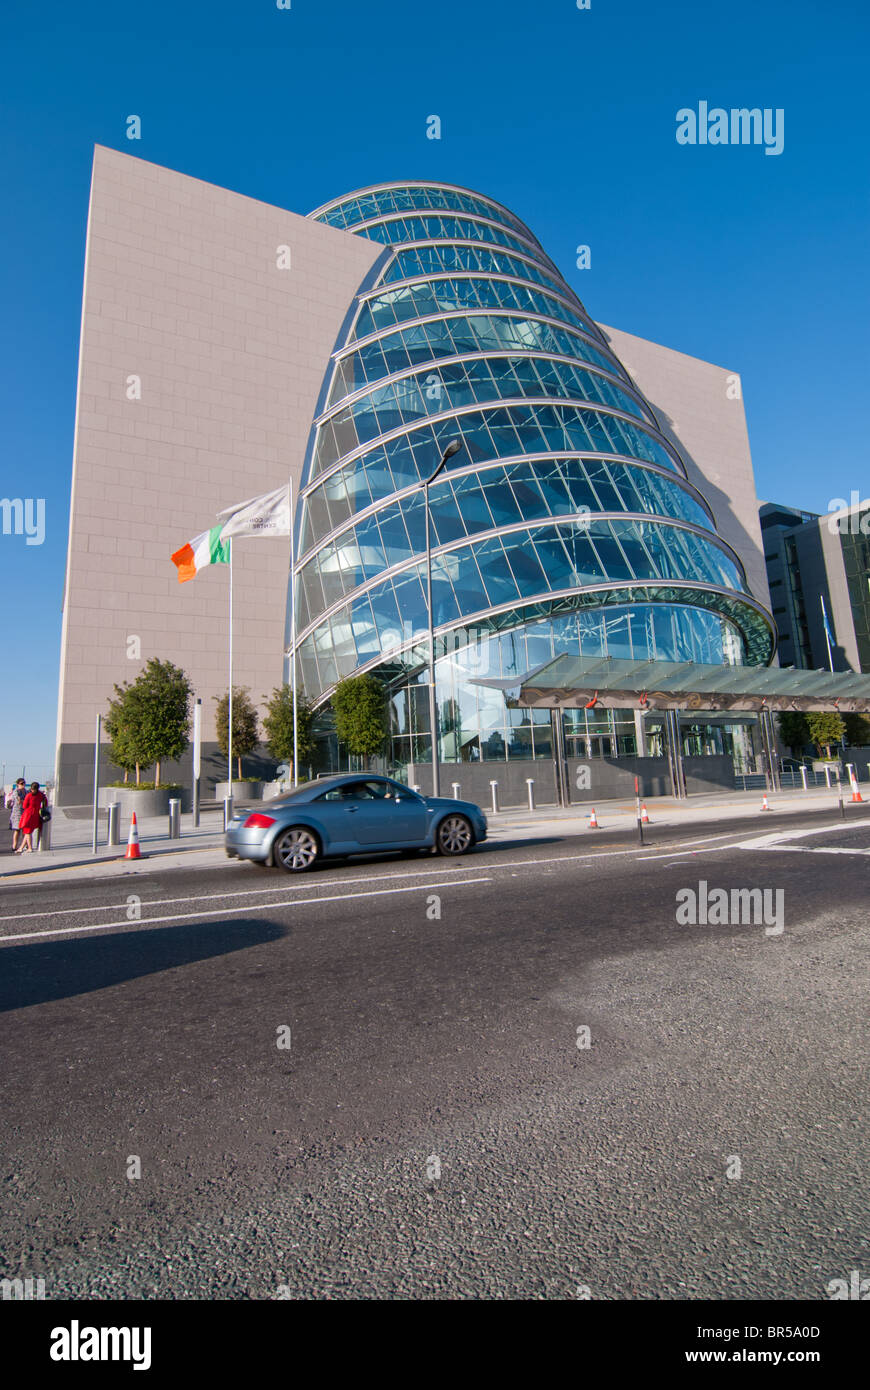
227,912
777,840
297,887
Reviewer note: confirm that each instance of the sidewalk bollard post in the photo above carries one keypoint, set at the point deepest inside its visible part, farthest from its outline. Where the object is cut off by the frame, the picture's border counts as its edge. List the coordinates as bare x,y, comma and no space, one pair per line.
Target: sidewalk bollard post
228,811
530,783
456,791
637,809
114,832
827,775
840,796
493,786
804,775
416,788
174,818
44,835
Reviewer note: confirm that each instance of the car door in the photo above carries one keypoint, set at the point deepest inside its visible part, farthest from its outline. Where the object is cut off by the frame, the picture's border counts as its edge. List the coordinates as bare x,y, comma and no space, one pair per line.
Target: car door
384,821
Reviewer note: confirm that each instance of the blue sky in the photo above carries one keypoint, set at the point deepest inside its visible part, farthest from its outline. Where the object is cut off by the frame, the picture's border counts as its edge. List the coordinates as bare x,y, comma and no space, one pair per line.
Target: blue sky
754,262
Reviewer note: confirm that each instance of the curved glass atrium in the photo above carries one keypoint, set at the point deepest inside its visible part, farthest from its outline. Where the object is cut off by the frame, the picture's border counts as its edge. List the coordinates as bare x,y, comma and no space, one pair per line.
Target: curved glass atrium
564,523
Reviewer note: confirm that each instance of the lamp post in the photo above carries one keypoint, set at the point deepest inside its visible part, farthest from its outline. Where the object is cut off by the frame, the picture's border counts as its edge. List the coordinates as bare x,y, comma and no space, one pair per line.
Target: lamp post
452,448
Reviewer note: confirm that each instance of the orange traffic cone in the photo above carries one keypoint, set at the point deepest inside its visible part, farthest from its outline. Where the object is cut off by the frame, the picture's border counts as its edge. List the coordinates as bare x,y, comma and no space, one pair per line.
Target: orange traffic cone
133,851
644,815
856,795
764,805
593,821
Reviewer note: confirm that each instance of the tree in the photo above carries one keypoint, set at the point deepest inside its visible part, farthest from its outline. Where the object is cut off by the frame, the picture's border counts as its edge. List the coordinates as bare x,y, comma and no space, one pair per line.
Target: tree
122,746
360,706
793,730
825,728
278,724
857,729
246,725
149,719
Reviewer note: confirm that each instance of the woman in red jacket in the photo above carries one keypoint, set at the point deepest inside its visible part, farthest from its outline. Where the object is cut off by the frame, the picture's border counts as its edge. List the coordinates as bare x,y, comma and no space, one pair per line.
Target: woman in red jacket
31,816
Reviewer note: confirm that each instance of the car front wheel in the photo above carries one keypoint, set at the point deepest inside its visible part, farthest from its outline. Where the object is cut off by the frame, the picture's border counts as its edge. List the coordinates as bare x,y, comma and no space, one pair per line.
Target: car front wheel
454,835
296,850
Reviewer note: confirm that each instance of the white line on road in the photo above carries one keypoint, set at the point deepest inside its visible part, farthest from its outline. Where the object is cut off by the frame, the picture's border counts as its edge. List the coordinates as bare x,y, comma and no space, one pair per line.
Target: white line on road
300,886
228,912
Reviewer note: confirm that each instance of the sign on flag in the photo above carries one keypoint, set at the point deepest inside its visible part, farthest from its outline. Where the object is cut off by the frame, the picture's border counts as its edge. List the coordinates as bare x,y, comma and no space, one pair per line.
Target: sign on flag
267,515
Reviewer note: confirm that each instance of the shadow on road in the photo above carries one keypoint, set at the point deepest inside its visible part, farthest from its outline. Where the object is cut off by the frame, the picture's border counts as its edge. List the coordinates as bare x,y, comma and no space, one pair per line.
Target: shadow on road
60,969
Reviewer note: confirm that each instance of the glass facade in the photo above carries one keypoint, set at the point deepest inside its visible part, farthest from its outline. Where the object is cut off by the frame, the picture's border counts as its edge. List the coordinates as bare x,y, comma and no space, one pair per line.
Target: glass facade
565,521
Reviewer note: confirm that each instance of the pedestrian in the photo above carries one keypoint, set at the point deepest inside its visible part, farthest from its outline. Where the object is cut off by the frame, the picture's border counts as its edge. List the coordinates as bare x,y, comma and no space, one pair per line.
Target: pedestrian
31,817
15,806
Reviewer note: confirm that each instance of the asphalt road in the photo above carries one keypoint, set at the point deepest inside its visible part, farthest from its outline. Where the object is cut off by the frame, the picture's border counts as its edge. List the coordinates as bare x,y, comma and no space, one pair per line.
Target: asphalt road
433,1128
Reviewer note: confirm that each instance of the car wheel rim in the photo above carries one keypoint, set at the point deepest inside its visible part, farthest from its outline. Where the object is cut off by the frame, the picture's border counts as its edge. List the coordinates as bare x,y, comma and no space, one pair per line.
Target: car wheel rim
455,835
297,850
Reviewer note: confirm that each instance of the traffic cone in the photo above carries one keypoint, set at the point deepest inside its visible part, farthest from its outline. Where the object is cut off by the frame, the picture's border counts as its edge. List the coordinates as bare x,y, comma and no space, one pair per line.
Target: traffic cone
644,815
856,795
133,851
764,805
593,821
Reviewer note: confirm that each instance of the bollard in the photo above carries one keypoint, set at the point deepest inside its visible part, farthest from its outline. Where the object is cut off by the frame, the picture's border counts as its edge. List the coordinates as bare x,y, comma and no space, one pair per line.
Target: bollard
827,775
456,790
44,835
840,795
174,818
493,786
530,783
228,811
804,776
416,788
114,810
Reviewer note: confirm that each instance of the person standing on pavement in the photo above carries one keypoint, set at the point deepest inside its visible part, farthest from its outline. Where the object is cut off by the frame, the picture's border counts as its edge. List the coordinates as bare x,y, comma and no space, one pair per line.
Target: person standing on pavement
31,817
15,806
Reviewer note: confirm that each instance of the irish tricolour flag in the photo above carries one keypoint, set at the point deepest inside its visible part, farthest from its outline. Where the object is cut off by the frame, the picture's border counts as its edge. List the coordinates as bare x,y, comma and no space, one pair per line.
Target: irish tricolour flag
207,549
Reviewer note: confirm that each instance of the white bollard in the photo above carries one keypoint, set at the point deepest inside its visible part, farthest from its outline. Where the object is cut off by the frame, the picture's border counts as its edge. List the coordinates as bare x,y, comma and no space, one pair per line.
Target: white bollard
228,811
530,783
804,776
493,786
456,790
174,818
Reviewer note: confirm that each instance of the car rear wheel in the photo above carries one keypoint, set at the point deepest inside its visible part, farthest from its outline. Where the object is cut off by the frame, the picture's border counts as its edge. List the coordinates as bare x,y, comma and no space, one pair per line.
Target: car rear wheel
454,835
296,850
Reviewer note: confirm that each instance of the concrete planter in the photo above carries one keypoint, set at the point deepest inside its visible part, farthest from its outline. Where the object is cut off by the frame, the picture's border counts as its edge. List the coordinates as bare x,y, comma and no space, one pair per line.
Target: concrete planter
273,789
241,791
144,803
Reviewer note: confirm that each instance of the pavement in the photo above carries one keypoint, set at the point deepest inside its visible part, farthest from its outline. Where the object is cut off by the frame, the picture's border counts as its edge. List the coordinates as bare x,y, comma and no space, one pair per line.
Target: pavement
71,841
515,1075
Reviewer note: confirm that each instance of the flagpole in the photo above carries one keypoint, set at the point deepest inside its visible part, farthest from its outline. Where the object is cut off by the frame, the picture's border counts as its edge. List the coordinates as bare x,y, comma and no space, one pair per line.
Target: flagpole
827,632
230,702
293,637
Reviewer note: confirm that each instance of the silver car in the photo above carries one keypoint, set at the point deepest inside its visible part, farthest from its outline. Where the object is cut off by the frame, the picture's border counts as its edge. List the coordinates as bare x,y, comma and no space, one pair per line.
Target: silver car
352,814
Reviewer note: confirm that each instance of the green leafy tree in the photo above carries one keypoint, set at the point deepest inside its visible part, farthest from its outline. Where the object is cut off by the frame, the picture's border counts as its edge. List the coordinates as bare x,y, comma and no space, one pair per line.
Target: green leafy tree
149,719
278,724
826,728
246,725
793,730
360,707
857,729
122,744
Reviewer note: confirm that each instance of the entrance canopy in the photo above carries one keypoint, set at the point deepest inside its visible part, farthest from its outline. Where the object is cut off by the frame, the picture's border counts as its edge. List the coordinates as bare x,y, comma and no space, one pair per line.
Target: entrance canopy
575,681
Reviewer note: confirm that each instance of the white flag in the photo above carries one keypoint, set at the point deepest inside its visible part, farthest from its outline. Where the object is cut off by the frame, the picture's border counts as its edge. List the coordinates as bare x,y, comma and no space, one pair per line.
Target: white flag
268,515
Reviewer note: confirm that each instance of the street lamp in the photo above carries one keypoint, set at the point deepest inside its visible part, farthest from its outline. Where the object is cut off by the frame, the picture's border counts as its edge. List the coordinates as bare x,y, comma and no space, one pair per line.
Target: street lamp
452,448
